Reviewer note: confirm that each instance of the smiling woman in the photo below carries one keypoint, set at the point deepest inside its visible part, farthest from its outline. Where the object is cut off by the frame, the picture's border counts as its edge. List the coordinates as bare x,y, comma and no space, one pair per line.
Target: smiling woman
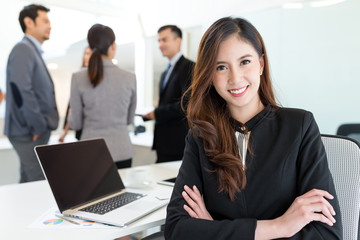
251,169
237,77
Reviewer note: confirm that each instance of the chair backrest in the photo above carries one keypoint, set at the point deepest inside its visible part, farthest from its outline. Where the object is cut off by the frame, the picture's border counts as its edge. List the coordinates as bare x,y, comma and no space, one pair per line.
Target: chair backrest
347,129
344,163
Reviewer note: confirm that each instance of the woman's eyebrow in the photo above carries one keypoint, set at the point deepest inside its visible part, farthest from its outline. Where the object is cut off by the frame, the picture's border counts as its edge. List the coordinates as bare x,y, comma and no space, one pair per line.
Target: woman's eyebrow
240,58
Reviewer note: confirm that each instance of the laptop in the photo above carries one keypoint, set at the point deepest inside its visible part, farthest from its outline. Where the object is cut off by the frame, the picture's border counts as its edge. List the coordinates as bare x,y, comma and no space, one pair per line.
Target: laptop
86,184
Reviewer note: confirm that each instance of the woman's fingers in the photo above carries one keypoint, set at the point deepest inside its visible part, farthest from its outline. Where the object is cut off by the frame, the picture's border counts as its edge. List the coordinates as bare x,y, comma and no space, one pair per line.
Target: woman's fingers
321,209
190,212
317,203
196,208
196,190
318,192
195,195
189,200
194,200
321,218
326,209
316,199
311,206
315,212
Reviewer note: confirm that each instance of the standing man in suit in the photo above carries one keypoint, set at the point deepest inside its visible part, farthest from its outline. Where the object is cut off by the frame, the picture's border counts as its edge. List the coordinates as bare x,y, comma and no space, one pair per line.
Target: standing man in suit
170,122
31,111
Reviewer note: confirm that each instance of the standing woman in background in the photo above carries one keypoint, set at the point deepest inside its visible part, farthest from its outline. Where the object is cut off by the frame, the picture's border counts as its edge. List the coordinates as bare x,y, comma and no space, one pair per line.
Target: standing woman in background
85,64
251,169
103,97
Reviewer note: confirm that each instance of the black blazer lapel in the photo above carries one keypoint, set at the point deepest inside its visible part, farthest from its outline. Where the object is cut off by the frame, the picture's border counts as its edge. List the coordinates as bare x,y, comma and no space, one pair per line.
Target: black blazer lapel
173,74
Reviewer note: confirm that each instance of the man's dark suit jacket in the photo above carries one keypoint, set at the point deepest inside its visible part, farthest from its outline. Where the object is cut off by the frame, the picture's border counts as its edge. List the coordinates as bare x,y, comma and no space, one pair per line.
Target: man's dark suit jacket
171,126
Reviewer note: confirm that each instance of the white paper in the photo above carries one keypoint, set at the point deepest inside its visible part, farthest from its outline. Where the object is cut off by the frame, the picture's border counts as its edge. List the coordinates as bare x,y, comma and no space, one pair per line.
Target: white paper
48,220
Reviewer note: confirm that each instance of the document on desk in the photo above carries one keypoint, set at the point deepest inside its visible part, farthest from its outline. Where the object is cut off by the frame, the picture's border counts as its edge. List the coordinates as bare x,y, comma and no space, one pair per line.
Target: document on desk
50,220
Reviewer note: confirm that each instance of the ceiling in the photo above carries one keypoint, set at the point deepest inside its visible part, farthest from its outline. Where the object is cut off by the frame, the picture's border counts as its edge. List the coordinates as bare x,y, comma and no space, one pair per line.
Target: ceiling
148,15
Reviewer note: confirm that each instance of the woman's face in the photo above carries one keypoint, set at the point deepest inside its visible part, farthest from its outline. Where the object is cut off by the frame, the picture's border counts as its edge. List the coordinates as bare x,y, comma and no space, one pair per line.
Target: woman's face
86,58
237,75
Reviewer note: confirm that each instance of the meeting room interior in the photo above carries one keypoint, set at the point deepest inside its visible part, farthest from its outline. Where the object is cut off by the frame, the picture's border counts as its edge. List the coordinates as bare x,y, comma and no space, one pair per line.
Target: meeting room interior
313,47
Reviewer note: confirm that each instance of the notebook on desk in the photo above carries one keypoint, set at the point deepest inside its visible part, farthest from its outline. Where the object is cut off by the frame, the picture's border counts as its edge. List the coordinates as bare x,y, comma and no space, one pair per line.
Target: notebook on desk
86,184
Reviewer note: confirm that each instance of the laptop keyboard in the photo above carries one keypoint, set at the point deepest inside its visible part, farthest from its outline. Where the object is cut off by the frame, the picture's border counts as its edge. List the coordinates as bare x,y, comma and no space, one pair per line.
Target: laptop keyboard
113,203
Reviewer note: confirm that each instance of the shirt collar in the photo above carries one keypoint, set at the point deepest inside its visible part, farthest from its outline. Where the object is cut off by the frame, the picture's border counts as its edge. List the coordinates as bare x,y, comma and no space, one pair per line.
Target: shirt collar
35,42
252,123
175,58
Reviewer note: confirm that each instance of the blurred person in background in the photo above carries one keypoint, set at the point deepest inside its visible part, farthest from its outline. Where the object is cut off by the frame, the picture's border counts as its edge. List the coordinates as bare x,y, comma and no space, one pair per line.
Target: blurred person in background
85,64
103,97
170,122
31,111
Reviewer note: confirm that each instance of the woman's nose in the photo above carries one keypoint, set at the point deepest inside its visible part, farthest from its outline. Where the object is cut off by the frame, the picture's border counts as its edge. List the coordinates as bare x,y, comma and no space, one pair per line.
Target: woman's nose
236,75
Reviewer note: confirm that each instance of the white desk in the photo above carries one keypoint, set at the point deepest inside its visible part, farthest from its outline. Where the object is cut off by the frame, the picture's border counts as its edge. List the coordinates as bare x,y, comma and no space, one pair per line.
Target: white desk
22,204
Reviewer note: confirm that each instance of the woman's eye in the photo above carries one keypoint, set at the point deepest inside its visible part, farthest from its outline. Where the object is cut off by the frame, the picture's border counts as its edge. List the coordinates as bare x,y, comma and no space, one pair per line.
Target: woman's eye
220,68
244,62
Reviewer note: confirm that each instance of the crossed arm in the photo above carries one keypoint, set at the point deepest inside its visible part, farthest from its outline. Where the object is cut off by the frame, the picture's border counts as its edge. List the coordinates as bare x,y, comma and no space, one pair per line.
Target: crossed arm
311,206
296,208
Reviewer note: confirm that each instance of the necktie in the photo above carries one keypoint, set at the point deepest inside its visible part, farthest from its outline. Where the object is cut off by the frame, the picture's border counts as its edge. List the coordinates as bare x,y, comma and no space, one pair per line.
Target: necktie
166,75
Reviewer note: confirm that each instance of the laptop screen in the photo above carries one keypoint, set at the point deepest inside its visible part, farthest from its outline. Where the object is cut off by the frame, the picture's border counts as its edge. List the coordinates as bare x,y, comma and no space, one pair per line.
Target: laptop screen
79,172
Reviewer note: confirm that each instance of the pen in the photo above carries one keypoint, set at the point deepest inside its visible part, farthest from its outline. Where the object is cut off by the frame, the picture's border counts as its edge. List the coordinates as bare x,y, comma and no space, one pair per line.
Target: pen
66,219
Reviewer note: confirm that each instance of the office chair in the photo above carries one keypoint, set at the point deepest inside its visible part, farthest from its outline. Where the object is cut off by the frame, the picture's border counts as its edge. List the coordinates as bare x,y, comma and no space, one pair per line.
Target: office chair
343,156
349,130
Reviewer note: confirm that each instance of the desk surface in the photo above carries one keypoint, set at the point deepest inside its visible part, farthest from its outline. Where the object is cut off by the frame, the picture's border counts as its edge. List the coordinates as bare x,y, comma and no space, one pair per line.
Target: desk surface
22,204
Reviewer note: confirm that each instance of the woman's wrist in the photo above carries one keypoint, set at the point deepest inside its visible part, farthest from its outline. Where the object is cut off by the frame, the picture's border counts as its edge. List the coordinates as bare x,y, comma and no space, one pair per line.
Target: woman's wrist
269,229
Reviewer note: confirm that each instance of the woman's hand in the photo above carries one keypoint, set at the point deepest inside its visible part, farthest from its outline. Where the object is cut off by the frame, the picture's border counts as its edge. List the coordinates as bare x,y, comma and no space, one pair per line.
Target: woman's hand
35,137
62,137
311,206
197,207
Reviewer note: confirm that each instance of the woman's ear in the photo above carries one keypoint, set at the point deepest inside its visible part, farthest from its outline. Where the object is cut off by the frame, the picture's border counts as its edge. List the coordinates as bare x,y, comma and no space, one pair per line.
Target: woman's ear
113,47
261,64
112,50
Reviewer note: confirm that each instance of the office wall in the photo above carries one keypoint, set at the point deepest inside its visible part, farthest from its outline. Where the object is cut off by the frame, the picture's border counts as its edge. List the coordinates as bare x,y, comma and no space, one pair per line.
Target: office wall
313,54
314,58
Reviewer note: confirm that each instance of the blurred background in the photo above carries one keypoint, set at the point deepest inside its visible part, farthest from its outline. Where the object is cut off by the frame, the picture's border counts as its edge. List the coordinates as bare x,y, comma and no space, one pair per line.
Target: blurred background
313,46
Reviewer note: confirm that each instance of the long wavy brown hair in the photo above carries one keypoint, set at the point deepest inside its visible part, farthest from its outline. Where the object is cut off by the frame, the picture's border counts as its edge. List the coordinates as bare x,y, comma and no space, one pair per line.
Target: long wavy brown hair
207,112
